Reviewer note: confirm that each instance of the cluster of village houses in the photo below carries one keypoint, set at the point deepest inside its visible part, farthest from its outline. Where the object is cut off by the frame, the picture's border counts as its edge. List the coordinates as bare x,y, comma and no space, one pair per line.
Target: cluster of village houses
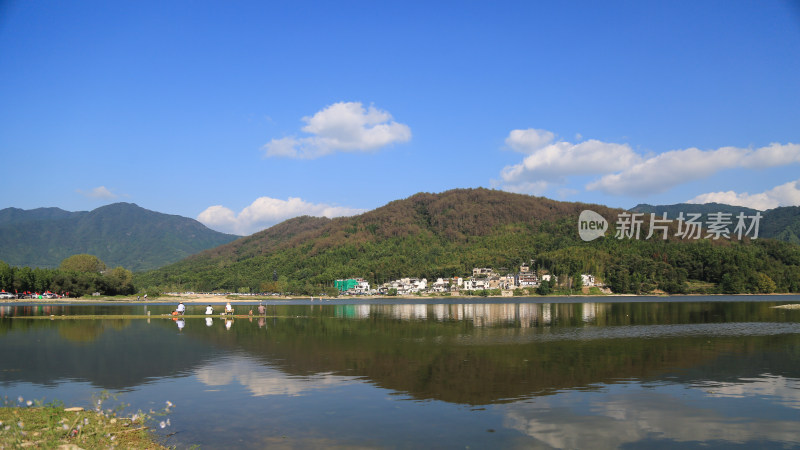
482,279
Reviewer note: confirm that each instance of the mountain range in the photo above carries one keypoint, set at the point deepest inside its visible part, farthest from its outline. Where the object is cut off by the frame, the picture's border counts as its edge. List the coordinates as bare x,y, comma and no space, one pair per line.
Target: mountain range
120,234
782,223
450,233
426,235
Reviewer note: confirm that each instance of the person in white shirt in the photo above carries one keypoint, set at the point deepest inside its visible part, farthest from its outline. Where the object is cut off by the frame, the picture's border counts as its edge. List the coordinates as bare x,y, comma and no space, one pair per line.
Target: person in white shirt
209,310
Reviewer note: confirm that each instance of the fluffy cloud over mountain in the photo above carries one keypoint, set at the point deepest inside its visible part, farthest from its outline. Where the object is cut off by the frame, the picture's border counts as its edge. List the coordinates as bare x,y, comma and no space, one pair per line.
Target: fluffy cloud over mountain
669,169
547,162
100,192
787,194
616,169
265,212
341,127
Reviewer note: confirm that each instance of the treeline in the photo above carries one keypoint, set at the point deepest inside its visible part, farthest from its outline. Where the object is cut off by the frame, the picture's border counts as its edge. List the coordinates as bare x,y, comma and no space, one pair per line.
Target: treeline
77,275
679,267
448,234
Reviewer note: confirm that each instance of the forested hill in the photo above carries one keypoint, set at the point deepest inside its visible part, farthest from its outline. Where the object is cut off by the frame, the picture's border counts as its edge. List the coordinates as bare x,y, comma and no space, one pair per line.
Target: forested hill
12,216
782,223
448,234
120,234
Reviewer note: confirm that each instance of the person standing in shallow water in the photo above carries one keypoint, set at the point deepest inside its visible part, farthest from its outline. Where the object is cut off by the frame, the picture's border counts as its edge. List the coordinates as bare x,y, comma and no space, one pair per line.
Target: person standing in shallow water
262,310
209,310
181,308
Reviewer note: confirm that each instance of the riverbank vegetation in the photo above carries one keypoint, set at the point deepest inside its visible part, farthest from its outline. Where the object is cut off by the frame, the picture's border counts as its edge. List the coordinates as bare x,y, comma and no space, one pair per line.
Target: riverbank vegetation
33,424
77,276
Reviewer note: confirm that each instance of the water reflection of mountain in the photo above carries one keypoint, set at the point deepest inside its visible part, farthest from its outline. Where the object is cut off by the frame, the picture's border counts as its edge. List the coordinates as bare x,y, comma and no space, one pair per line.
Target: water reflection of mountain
469,354
479,354
117,358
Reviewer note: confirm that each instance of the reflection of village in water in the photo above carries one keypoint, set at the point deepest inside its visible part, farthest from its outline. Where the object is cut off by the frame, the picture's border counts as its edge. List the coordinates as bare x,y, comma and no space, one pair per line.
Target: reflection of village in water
523,315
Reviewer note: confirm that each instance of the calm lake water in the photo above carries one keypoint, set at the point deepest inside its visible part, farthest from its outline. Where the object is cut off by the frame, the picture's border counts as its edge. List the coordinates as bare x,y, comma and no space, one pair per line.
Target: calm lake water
513,373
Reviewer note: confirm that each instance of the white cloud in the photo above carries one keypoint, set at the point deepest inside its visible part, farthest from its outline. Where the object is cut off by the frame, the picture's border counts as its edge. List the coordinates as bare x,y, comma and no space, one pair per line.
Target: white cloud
773,155
548,163
530,140
635,414
343,126
787,194
669,169
527,187
551,162
265,212
100,192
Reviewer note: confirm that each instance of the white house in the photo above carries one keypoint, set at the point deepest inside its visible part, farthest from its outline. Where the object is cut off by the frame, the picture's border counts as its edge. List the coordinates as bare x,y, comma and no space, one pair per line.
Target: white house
475,285
362,288
548,277
440,285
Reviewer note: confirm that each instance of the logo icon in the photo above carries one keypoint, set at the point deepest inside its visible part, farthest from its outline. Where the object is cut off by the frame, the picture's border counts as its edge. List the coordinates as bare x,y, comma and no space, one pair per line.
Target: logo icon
591,225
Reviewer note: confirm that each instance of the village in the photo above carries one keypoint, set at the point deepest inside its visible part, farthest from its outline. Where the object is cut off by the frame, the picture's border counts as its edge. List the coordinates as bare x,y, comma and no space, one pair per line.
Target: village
482,279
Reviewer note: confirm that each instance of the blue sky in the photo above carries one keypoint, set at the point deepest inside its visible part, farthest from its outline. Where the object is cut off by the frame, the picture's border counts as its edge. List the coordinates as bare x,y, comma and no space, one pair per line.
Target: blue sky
244,114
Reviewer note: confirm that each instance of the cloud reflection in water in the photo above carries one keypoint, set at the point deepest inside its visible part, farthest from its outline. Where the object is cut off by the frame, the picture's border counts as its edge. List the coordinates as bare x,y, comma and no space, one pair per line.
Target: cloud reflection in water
262,380
631,413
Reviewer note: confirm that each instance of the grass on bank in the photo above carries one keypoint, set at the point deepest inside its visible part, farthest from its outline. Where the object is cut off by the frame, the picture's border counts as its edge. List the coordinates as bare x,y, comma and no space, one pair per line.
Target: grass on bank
32,424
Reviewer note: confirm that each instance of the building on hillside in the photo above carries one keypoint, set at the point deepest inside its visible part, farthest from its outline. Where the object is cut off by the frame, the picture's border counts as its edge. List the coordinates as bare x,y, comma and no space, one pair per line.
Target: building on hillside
475,285
588,280
404,286
528,280
440,285
482,272
548,277
345,285
507,282
362,288
415,285
527,268
356,286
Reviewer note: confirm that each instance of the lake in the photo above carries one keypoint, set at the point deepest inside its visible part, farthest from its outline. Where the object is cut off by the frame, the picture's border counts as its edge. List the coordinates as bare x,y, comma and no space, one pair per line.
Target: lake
571,372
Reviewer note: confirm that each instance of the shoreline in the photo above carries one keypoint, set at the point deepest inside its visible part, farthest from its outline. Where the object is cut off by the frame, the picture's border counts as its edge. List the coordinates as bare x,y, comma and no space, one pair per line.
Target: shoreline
214,298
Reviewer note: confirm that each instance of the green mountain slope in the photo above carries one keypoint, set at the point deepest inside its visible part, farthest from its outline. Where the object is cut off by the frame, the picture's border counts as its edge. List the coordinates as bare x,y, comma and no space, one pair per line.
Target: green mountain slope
782,223
448,234
12,216
120,234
